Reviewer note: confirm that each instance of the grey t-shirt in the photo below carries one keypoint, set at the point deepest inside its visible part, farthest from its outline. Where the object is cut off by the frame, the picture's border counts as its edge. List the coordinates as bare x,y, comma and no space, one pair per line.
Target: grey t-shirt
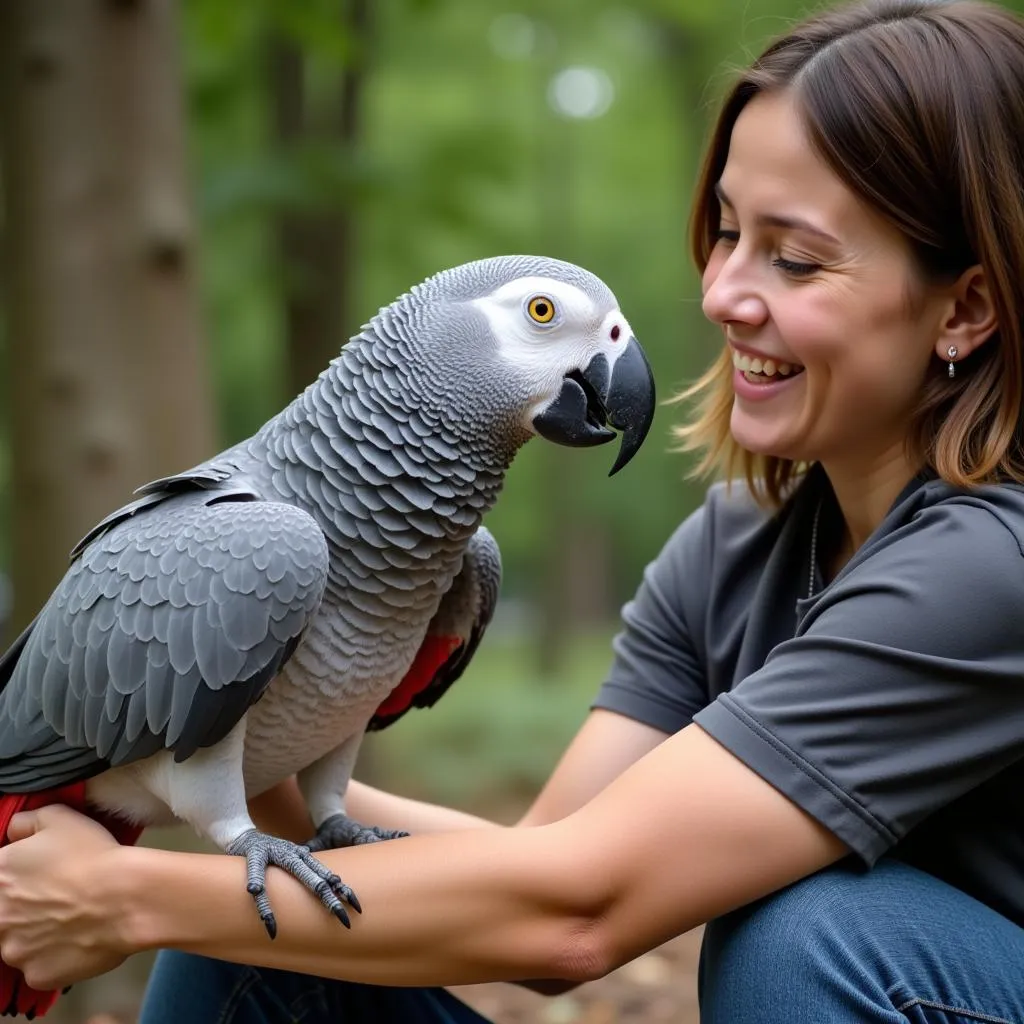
890,705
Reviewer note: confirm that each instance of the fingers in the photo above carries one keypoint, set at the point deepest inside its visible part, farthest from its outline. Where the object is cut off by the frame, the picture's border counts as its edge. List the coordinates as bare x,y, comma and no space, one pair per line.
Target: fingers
23,825
30,823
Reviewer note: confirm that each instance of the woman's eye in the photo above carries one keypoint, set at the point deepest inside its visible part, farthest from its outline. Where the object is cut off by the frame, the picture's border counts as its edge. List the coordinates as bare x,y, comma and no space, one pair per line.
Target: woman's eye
795,268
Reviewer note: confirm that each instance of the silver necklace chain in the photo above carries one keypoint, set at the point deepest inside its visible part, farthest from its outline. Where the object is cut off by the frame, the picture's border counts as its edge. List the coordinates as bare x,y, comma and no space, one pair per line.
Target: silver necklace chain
814,551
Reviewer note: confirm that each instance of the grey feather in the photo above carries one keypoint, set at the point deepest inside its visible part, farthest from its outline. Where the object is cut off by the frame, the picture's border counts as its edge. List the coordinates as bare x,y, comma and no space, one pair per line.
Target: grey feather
178,658
465,612
300,568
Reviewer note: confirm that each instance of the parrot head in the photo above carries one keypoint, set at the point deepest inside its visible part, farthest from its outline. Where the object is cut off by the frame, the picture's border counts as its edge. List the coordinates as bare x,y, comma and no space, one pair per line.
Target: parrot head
560,357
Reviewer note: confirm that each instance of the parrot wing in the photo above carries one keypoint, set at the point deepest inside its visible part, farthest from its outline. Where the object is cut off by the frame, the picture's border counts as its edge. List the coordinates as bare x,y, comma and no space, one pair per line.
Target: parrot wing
453,635
174,616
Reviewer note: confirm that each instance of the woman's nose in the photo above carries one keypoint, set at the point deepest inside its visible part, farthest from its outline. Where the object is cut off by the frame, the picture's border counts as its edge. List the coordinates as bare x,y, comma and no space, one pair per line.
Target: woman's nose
731,293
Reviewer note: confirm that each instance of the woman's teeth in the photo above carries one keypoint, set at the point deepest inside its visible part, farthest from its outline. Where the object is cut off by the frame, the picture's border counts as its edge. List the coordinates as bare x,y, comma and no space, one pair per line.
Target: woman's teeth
761,368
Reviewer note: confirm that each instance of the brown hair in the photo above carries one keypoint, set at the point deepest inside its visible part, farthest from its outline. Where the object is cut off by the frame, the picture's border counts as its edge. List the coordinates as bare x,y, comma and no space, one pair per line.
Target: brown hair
918,107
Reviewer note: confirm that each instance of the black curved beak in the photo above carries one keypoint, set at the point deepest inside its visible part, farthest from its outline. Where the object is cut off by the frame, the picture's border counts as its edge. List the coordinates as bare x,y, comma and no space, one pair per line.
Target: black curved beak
597,396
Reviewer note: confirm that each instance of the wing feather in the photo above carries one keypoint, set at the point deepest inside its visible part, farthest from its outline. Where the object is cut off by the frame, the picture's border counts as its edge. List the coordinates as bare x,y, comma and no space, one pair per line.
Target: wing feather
167,626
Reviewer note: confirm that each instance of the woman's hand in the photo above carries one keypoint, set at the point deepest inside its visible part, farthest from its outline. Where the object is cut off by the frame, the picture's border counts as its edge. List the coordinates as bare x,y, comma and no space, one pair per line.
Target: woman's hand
55,924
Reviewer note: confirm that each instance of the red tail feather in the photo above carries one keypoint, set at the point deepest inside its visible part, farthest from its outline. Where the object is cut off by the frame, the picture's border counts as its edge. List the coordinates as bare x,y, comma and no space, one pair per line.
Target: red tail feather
16,997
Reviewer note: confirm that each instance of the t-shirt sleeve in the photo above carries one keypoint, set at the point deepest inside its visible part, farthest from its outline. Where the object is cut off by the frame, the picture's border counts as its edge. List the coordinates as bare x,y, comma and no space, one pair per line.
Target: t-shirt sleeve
656,676
904,686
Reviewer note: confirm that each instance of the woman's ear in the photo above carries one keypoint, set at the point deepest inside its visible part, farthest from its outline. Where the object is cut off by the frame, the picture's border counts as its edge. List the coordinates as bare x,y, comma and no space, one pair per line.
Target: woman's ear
971,317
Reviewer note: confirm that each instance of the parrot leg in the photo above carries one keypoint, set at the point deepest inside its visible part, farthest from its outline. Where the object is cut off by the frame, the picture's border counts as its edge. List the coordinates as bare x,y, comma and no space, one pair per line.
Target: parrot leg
261,850
323,785
208,791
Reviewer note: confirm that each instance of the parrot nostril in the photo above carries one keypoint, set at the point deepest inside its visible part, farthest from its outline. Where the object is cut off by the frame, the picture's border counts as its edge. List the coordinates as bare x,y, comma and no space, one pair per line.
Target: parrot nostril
615,333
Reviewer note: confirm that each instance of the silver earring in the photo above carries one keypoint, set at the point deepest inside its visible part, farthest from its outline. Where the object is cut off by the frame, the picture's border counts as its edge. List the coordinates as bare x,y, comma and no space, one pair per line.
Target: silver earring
951,352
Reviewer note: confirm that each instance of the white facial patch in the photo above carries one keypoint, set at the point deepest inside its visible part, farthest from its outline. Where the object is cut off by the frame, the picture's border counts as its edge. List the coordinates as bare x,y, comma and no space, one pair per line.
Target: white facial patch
576,332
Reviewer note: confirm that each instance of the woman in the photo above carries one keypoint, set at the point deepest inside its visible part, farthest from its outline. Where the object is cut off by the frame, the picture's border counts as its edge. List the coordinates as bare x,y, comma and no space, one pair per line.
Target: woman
812,732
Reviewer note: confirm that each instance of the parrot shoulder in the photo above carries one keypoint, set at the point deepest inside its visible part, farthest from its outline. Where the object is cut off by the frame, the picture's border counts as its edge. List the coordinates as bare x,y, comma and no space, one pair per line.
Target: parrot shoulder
225,487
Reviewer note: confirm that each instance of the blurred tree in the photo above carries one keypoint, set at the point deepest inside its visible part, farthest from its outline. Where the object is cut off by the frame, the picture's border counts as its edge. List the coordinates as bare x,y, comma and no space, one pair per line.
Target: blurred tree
315,243
108,383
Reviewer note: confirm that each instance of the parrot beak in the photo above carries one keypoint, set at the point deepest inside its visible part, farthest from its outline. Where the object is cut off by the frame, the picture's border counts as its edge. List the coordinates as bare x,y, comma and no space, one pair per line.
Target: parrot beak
592,398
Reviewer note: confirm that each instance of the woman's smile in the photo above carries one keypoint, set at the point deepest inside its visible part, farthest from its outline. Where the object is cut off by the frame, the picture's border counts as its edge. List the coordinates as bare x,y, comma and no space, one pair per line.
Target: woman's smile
757,377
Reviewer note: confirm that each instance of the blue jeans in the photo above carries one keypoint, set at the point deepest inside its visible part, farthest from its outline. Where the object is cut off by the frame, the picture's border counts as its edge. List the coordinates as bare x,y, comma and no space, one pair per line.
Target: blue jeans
889,946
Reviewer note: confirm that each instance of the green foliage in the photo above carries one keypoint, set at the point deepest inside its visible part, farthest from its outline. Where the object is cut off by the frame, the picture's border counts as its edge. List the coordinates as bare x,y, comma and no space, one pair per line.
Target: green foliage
6,498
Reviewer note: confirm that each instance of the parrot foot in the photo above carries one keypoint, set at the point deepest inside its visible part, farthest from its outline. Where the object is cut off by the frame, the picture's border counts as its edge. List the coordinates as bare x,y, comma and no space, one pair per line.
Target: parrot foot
340,830
261,850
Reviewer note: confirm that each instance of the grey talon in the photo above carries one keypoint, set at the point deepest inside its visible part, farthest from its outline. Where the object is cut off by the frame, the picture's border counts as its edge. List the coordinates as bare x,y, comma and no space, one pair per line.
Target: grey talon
261,850
339,831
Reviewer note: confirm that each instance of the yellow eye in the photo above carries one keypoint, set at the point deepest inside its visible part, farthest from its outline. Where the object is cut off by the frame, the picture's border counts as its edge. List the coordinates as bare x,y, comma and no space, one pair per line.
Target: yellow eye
541,309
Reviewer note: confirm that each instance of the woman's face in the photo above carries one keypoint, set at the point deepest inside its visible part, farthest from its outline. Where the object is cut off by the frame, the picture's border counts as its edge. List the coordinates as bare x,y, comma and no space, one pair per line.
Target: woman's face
830,326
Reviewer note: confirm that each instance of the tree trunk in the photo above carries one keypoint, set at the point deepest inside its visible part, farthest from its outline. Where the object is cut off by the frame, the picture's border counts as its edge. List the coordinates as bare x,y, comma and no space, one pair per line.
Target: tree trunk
315,248
108,378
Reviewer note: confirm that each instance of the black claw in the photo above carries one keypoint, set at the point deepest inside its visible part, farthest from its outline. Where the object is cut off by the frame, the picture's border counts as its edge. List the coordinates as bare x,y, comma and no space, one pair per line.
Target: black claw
377,835
353,901
261,851
339,831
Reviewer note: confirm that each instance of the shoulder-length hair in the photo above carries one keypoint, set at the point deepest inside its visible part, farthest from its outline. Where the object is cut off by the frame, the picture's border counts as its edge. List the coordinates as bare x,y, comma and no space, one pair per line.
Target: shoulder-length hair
918,107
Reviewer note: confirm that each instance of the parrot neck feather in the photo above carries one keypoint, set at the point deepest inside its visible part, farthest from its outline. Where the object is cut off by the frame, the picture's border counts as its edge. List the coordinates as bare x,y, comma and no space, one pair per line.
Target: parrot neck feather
397,489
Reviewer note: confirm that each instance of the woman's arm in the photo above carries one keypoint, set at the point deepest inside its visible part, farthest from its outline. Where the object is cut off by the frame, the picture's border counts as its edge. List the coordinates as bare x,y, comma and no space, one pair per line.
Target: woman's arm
281,811
685,834
606,744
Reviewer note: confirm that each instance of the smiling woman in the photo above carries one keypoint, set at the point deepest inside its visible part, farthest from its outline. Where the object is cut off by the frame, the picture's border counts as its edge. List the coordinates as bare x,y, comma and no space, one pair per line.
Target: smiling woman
804,272
811,735
903,166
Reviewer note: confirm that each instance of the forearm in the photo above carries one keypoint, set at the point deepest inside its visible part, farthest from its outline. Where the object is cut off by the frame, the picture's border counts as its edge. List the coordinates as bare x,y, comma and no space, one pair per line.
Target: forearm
418,817
282,812
685,835
505,904
374,806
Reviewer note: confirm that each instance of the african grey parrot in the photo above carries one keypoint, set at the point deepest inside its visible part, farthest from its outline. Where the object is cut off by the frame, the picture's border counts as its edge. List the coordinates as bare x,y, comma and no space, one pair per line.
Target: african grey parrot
252,617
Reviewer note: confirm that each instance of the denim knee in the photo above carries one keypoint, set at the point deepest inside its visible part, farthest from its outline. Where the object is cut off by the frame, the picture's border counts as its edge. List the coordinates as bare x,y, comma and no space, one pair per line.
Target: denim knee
815,924
847,944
